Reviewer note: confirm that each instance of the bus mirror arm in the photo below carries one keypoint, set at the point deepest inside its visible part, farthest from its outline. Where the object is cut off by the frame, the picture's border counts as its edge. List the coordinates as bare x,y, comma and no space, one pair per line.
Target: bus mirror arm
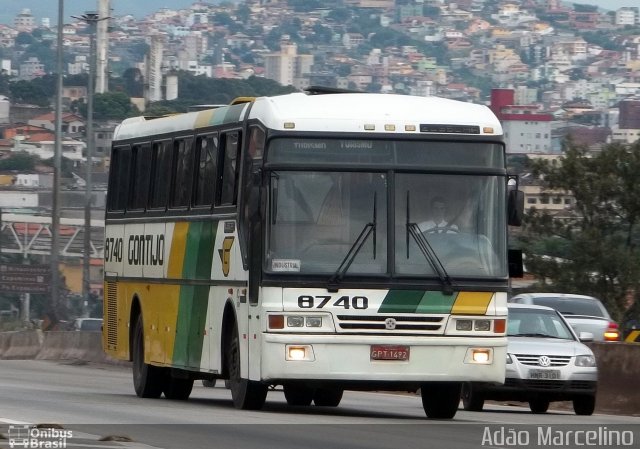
254,195
515,202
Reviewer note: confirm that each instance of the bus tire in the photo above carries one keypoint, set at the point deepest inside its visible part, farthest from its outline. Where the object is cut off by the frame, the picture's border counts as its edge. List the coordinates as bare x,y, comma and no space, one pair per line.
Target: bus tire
472,399
440,400
328,397
178,389
246,394
148,380
209,383
299,395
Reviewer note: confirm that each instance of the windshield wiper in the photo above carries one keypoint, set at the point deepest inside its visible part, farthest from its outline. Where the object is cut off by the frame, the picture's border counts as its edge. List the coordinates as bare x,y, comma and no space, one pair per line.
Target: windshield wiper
429,254
369,228
535,335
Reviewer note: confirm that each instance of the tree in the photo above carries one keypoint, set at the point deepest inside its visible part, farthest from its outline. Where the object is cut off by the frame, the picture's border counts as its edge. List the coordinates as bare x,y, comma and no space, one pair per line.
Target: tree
133,82
596,251
111,105
24,38
19,161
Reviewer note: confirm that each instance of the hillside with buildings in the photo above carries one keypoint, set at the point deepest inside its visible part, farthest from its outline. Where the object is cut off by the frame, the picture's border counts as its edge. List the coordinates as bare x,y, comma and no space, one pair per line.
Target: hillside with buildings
548,69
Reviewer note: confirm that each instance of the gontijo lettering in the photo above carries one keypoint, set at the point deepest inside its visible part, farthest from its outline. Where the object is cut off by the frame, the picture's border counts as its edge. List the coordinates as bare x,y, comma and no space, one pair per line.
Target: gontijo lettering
146,249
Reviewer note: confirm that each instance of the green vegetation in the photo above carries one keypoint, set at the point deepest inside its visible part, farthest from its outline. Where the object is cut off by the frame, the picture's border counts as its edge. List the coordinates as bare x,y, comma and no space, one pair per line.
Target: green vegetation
19,162
596,251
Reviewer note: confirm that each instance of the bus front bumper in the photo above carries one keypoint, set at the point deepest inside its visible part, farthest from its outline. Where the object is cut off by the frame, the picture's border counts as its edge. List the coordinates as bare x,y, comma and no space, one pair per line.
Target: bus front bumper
348,358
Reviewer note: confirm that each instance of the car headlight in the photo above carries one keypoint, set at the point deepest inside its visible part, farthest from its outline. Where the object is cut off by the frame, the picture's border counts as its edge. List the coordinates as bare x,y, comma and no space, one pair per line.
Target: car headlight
509,361
585,360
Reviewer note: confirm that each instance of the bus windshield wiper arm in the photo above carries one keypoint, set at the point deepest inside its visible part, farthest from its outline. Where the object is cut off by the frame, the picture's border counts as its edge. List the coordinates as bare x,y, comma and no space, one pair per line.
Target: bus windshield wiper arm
432,257
427,250
367,230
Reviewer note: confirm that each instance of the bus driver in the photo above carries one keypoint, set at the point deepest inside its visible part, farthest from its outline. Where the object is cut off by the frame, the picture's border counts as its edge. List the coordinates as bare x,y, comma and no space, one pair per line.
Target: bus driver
438,224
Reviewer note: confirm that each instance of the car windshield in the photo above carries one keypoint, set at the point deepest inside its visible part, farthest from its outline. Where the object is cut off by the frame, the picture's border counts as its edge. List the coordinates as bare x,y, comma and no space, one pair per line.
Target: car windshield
572,306
537,323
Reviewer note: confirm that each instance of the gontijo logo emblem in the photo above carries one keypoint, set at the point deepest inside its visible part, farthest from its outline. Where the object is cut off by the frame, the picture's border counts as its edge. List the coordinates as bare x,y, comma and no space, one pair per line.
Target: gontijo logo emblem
225,255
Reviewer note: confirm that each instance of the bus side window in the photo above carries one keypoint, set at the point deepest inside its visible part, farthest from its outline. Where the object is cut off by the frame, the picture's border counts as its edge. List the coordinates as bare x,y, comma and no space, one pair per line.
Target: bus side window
228,176
121,164
141,177
160,180
183,172
207,148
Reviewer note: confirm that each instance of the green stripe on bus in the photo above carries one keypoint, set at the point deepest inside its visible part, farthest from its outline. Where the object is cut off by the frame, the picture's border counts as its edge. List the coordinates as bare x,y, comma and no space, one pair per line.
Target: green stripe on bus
436,302
192,310
401,301
229,114
234,112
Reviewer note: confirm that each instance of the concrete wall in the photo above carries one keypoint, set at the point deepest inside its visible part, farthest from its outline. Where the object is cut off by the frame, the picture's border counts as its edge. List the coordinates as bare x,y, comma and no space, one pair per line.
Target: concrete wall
618,377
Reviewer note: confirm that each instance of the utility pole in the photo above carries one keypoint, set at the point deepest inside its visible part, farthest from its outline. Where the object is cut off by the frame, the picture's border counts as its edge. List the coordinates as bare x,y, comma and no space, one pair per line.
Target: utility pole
91,18
57,163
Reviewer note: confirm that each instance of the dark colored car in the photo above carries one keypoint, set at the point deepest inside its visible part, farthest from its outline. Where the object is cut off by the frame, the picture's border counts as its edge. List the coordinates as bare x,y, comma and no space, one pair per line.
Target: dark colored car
584,313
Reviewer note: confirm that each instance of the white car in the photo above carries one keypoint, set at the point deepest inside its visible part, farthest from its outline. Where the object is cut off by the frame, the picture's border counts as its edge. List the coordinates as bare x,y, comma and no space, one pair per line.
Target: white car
546,362
583,313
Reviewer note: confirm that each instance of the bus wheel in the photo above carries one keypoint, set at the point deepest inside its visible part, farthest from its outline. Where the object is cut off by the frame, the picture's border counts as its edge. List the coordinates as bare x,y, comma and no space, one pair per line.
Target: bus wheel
298,394
246,394
148,380
440,400
209,383
178,389
328,397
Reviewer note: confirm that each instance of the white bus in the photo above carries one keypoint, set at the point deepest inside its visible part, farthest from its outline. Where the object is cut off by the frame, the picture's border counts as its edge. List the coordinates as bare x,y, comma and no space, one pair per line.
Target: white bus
318,241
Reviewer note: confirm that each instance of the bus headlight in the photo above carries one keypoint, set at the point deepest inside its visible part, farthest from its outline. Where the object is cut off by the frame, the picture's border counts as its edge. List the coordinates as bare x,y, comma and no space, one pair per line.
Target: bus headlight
314,321
464,325
295,321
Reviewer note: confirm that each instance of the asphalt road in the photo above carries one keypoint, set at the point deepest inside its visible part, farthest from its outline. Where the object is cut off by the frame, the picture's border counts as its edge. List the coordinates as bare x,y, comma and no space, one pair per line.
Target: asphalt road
95,401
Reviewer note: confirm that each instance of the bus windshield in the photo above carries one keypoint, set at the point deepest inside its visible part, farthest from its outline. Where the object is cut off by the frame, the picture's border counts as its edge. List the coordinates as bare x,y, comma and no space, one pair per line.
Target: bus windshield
315,219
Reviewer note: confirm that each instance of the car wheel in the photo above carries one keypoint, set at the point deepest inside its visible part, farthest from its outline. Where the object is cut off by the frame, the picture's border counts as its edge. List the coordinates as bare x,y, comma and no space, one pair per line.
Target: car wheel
584,405
539,405
472,399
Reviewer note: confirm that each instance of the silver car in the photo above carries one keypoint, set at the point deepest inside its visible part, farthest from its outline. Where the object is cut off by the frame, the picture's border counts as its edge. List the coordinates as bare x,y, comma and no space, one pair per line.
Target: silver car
583,313
546,362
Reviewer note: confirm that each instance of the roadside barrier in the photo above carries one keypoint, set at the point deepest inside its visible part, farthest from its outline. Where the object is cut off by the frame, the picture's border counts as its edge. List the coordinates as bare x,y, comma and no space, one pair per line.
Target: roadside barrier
618,380
5,341
55,345
24,345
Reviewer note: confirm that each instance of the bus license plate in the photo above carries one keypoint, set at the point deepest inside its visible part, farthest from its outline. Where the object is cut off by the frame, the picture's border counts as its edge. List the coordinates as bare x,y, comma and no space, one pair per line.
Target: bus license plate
547,374
389,352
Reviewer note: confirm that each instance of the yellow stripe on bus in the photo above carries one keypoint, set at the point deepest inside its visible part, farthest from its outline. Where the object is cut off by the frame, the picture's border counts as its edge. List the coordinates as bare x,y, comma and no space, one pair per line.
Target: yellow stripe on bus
204,118
472,303
178,247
